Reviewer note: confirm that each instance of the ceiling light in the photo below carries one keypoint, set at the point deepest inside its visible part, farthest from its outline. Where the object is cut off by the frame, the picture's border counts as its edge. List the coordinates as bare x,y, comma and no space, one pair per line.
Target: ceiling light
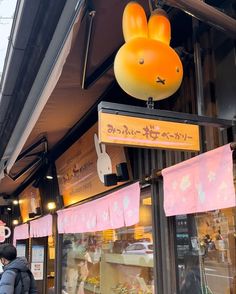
51,205
15,202
15,222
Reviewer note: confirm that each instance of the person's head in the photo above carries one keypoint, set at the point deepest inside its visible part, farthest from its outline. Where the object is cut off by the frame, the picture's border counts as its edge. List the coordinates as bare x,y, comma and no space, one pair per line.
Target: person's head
7,253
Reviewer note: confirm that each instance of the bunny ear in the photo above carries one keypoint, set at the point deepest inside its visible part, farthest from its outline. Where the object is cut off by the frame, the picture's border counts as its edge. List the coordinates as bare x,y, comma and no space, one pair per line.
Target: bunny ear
134,22
103,146
97,145
159,27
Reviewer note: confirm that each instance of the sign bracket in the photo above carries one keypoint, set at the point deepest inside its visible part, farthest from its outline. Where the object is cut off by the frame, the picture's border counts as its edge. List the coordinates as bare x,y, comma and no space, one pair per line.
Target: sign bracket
137,111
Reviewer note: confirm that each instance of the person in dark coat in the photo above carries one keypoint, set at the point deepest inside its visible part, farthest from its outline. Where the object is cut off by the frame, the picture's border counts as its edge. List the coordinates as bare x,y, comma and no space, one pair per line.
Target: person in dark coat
11,282
192,281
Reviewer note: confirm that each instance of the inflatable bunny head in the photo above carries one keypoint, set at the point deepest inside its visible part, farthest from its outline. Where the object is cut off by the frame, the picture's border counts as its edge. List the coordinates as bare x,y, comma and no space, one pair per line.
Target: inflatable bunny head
146,66
104,165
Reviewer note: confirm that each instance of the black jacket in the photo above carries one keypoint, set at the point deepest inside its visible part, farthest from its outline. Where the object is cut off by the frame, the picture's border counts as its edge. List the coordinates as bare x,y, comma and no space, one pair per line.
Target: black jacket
8,278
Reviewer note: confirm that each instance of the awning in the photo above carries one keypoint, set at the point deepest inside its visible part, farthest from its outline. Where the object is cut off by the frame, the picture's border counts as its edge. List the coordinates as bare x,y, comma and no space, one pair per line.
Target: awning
200,184
41,227
116,210
21,232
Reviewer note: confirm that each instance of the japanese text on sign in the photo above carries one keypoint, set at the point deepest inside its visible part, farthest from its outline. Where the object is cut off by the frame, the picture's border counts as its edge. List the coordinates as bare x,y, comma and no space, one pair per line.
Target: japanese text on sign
118,129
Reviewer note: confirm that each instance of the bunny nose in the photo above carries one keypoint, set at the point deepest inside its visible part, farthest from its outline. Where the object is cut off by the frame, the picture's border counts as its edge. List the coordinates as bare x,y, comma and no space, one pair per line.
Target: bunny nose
160,80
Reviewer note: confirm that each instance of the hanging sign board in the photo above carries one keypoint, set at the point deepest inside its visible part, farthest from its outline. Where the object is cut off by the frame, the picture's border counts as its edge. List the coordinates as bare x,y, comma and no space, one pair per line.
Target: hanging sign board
82,167
29,201
150,133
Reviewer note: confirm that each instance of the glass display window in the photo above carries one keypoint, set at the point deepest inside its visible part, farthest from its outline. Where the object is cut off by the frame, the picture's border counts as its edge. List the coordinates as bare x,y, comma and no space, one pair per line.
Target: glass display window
206,252
111,261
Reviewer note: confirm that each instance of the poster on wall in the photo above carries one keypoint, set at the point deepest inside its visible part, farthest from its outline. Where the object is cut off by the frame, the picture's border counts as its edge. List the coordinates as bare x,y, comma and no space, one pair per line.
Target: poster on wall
37,270
29,201
82,167
37,253
21,250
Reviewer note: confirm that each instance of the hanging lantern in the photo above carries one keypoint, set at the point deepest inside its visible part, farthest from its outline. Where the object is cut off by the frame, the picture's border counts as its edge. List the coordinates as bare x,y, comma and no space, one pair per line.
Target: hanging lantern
146,66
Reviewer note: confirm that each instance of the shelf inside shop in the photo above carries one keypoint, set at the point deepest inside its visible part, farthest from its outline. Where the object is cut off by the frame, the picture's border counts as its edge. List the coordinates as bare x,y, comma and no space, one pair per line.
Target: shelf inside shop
92,288
129,259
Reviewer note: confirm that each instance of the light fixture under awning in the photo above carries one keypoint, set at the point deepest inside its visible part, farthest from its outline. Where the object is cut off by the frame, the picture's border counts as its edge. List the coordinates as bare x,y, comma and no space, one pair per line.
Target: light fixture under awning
116,210
200,184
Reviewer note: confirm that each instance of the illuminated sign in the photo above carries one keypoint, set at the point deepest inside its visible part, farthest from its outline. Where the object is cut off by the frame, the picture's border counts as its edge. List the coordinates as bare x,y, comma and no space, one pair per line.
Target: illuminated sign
141,132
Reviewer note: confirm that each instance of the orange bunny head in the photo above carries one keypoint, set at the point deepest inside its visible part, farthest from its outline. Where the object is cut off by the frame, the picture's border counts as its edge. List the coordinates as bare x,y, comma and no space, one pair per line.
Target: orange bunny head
146,66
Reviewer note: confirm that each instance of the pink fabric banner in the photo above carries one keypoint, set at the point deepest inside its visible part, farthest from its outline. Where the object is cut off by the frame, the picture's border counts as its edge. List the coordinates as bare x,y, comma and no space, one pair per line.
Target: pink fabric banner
200,184
116,210
21,232
41,227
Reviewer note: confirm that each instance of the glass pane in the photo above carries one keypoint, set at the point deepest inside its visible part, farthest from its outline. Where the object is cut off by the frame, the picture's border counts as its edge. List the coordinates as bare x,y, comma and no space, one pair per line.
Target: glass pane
206,252
112,261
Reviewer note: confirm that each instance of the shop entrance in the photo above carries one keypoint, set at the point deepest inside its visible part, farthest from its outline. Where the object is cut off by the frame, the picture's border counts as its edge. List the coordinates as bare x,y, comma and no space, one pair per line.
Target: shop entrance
42,263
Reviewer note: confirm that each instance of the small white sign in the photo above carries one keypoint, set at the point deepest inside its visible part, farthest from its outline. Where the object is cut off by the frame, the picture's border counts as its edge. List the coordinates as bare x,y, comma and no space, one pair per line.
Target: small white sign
37,270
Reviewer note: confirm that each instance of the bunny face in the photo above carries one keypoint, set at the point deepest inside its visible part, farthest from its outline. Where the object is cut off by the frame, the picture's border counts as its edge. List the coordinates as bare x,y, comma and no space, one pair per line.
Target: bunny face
104,165
146,66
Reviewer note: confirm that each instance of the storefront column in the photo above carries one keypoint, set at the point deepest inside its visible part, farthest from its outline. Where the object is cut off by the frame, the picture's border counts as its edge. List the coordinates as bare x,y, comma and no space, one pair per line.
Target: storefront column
164,262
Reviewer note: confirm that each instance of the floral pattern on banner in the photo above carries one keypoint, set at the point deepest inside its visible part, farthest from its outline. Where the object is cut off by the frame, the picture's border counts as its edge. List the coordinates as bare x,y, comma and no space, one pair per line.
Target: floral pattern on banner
200,184
41,227
116,210
21,232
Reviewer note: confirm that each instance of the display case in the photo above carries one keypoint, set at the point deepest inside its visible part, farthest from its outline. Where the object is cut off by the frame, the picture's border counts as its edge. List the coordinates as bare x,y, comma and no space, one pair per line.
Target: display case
111,261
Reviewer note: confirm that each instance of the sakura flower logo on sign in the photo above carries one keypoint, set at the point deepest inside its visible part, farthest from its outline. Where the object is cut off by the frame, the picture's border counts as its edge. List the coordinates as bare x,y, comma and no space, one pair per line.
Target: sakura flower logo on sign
126,202
185,183
211,176
201,193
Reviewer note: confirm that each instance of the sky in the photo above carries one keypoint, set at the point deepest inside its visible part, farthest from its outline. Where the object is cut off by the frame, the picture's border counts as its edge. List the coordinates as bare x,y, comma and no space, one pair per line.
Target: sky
7,8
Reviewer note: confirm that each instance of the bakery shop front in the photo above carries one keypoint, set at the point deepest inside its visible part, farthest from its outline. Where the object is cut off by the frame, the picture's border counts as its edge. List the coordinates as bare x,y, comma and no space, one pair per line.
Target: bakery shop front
105,236
145,234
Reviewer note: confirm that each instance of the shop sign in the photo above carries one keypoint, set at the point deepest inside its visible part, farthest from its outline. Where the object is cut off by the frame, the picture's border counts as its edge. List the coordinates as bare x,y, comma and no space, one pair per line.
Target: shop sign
5,232
29,202
82,167
149,133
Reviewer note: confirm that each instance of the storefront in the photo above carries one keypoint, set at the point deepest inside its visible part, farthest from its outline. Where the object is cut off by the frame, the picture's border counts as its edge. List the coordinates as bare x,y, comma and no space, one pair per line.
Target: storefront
169,238
35,240
166,243
112,250
42,252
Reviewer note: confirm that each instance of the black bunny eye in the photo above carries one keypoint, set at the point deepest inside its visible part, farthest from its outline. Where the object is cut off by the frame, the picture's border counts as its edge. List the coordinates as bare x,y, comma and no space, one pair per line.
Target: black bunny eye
177,69
141,61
